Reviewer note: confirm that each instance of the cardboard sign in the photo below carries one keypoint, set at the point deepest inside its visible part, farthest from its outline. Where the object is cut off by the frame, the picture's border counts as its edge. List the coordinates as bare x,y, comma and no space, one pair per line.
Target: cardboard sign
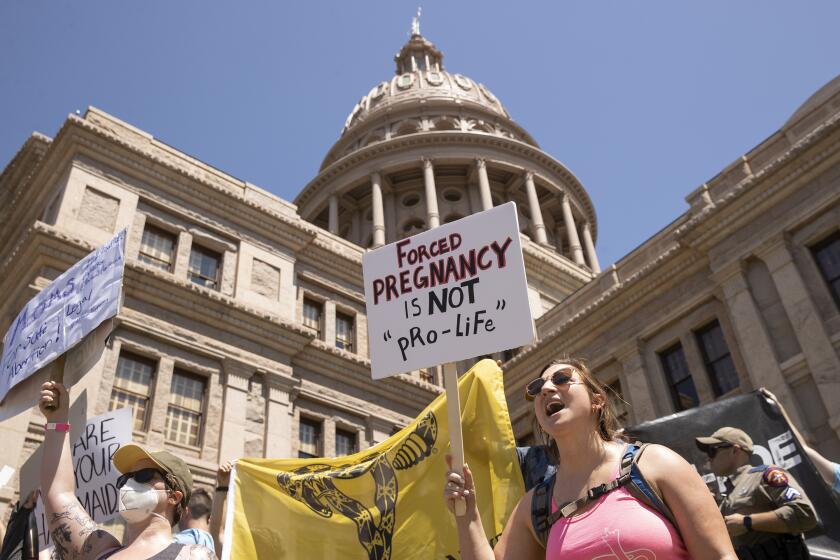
61,315
447,294
93,467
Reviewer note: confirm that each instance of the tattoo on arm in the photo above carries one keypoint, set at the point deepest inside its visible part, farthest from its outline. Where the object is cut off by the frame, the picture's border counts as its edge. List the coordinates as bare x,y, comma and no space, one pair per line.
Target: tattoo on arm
73,518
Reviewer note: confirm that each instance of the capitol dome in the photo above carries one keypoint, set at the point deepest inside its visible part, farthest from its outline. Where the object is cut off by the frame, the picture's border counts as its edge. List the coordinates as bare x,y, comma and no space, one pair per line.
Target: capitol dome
454,101
428,147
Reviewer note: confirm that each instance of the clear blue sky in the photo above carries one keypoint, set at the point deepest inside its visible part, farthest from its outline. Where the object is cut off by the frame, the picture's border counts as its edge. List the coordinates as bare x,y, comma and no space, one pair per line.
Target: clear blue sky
643,101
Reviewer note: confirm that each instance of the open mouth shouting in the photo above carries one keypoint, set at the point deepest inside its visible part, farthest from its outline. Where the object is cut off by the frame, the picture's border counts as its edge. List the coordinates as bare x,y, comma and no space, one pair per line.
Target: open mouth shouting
553,408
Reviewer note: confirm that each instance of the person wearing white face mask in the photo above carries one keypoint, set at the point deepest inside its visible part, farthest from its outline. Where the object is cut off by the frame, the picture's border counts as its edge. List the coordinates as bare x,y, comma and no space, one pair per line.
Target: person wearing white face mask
153,489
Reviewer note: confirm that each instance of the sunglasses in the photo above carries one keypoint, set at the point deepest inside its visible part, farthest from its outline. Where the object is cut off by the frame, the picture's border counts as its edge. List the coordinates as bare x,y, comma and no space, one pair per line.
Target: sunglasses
712,450
142,476
559,378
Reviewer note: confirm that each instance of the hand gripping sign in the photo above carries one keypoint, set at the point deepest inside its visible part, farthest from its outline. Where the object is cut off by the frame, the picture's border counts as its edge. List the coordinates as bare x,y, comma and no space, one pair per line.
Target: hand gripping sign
450,293
63,313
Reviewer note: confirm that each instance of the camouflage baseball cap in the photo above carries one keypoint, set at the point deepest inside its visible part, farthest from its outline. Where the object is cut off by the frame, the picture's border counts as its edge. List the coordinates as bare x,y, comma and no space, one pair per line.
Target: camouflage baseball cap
729,435
128,455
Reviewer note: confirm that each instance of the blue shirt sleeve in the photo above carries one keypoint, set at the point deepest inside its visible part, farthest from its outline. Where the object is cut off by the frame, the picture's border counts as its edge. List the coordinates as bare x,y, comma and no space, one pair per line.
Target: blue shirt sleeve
837,478
195,536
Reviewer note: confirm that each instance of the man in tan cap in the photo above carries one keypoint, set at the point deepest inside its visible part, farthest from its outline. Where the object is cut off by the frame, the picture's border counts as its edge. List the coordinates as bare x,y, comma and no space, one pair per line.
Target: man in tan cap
765,508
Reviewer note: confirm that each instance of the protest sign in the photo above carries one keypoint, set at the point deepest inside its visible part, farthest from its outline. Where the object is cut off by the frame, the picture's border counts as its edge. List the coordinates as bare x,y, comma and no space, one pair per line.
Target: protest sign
451,293
774,445
64,312
96,477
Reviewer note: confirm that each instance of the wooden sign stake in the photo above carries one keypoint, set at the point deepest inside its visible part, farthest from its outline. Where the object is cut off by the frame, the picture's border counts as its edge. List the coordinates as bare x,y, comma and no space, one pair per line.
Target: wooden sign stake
456,441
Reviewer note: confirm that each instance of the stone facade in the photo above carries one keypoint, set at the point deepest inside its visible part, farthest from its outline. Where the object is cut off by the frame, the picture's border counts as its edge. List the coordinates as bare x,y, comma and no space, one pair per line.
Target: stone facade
276,336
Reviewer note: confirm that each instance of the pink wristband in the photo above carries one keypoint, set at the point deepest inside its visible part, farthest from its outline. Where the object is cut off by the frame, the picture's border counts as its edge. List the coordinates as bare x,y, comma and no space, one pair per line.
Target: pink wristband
57,426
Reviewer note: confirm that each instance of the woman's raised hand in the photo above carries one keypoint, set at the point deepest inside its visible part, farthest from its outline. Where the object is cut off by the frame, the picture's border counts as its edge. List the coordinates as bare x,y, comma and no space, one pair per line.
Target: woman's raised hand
54,402
458,487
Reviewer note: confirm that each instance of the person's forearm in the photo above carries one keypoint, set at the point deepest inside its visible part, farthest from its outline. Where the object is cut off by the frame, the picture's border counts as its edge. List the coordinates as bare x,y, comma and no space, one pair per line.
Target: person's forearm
217,520
57,479
769,522
824,466
471,538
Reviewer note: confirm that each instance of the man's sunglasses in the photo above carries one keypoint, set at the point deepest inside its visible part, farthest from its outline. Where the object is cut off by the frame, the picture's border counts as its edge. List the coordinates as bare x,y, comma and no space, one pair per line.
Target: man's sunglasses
142,476
558,379
712,450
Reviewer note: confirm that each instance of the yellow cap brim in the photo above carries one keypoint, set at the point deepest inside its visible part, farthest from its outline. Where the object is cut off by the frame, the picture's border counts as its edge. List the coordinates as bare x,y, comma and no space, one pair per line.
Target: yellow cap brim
128,455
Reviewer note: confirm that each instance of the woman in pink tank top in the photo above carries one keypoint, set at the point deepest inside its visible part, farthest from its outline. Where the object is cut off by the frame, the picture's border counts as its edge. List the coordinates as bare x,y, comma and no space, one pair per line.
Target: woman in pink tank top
574,419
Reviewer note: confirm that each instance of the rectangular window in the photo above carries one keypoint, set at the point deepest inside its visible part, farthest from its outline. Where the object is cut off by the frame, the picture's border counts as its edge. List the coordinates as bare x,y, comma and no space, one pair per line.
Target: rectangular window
312,313
204,267
616,397
427,375
718,360
345,442
186,400
133,387
827,255
683,392
157,248
344,332
309,434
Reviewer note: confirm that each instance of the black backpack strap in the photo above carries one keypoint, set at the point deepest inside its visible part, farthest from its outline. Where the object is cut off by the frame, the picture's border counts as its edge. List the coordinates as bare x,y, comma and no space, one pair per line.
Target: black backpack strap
541,509
641,489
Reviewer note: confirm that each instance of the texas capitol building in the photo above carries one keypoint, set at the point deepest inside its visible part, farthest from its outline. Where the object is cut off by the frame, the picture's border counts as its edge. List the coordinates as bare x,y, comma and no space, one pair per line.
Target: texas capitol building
243,331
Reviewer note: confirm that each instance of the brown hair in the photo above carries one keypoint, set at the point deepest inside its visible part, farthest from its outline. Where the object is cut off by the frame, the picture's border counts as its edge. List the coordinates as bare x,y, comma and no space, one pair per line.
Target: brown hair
608,426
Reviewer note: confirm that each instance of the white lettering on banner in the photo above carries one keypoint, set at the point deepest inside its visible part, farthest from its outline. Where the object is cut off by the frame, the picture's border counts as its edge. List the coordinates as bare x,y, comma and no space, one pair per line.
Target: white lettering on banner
783,449
63,313
93,466
447,294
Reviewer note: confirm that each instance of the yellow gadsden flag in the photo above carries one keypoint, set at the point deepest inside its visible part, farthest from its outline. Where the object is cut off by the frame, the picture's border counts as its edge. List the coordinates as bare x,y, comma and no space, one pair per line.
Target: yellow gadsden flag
384,503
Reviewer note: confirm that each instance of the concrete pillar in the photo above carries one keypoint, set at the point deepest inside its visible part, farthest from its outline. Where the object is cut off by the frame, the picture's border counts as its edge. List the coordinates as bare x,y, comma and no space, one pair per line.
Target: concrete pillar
135,236
753,340
810,331
160,403
559,234
571,231
232,436
329,323
182,255
483,184
228,276
279,414
328,437
333,222
390,215
378,210
594,265
534,206
635,386
355,228
432,215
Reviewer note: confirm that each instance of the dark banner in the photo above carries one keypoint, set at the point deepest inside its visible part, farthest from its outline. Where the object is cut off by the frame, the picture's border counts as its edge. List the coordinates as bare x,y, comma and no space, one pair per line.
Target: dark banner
774,445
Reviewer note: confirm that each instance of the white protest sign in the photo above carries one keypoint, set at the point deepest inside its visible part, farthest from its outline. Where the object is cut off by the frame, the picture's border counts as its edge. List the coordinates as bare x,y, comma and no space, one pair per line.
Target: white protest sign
447,294
64,312
93,467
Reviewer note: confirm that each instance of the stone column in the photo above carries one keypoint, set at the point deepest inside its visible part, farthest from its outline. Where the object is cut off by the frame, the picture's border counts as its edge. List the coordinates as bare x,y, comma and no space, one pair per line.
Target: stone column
329,323
753,340
160,403
571,231
483,184
355,228
182,255
135,236
635,385
234,414
378,210
559,233
590,249
333,222
810,330
432,215
534,205
279,414
227,282
328,437
390,215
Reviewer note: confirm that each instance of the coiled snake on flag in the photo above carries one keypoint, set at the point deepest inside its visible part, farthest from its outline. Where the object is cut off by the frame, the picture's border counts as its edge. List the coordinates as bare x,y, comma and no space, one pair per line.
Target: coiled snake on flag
314,486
